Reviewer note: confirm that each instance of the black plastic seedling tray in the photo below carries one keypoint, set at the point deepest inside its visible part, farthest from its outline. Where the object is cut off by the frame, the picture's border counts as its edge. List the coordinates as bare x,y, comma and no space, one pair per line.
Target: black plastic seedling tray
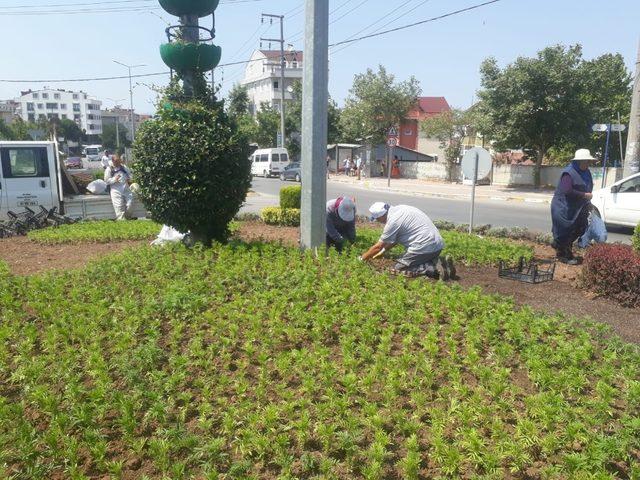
535,271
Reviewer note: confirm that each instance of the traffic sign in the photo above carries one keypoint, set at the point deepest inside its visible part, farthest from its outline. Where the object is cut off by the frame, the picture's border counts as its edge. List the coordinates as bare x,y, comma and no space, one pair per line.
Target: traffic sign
469,163
618,127
393,132
392,142
599,127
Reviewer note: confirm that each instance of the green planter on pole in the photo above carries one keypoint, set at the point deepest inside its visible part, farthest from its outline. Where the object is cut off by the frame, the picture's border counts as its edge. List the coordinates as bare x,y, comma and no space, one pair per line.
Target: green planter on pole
202,8
183,57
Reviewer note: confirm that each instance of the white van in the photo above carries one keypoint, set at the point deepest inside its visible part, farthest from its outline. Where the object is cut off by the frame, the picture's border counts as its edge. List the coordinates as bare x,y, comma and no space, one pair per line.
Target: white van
269,162
93,152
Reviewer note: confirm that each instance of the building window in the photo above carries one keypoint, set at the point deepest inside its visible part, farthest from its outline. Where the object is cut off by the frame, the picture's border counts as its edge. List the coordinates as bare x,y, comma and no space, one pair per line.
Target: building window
76,117
75,96
45,95
56,96
30,107
92,106
63,106
40,106
52,106
32,117
64,115
90,116
35,95
275,85
52,115
294,64
92,127
85,96
76,107
408,132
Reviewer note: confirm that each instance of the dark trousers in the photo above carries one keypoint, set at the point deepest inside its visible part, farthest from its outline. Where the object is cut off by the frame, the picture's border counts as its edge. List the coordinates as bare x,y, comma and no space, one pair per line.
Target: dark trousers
564,245
425,263
332,243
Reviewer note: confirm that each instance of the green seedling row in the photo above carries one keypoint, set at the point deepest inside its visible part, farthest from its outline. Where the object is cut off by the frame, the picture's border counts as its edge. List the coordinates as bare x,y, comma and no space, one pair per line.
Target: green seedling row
102,231
256,362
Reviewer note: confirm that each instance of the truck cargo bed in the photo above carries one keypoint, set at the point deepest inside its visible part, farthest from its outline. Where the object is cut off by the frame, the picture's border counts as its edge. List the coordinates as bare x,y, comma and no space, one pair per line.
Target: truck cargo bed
98,207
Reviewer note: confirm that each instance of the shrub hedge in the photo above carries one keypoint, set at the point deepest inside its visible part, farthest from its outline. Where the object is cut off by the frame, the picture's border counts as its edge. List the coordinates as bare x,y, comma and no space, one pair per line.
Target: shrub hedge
636,238
290,197
285,217
613,270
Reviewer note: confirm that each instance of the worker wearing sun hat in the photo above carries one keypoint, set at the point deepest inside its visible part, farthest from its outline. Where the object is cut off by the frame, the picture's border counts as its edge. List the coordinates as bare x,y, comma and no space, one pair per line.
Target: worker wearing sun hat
571,205
413,229
341,222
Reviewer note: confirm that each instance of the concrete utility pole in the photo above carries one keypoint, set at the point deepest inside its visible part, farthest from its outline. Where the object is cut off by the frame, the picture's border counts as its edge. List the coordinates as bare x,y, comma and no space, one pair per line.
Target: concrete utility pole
315,88
129,67
283,63
632,157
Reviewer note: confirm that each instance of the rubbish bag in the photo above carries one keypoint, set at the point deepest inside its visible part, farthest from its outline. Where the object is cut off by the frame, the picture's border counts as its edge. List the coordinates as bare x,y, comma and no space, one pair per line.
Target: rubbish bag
168,235
97,187
596,231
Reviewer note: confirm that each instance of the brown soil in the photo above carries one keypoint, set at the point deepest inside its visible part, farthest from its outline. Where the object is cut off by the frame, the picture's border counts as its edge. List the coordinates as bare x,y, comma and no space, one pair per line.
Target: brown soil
25,257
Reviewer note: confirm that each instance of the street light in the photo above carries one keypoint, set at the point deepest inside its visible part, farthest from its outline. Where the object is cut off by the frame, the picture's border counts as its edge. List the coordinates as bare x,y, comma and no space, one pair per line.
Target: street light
116,102
129,67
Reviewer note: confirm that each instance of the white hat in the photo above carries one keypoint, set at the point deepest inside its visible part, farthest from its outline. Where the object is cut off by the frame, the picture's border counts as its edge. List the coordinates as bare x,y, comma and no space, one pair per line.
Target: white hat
583,154
378,209
347,209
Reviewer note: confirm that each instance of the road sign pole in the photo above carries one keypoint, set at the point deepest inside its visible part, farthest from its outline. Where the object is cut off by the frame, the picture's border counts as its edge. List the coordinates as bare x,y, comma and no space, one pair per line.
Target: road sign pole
620,140
389,166
473,192
606,156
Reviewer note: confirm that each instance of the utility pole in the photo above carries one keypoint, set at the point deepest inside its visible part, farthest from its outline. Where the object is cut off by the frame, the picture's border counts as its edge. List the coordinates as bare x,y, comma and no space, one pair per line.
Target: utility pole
283,62
314,124
129,67
632,157
116,104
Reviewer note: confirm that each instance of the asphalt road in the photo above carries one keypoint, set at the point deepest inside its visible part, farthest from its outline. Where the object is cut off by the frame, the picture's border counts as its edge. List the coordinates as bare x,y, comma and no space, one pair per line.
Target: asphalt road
535,217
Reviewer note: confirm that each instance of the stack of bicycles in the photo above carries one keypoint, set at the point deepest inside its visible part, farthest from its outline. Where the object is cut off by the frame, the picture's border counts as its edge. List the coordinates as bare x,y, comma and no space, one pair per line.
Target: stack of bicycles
23,222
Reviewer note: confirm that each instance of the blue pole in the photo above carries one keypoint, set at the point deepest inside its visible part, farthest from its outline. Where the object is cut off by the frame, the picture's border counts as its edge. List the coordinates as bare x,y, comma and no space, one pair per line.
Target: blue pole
606,156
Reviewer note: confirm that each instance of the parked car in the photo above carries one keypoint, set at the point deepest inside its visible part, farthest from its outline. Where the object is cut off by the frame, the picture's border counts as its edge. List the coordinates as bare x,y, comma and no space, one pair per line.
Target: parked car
73,162
291,172
92,152
619,204
269,161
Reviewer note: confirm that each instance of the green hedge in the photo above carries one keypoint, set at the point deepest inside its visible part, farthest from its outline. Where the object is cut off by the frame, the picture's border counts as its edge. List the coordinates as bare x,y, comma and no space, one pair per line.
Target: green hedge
635,240
286,217
290,197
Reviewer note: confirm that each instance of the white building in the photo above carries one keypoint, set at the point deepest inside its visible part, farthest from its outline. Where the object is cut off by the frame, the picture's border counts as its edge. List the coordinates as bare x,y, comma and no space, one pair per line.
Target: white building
49,103
262,77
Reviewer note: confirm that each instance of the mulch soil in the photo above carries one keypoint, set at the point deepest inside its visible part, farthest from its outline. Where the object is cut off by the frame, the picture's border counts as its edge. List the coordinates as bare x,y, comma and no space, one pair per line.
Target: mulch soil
562,295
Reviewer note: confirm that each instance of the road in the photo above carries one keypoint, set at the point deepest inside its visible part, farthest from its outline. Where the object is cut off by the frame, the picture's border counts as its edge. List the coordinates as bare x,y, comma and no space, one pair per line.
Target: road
535,217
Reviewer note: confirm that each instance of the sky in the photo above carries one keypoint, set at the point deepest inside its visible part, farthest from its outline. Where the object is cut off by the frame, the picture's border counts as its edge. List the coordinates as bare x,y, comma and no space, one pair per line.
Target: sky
444,55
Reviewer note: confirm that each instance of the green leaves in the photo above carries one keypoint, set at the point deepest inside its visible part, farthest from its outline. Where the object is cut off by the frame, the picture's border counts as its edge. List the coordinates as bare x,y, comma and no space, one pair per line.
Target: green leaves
96,232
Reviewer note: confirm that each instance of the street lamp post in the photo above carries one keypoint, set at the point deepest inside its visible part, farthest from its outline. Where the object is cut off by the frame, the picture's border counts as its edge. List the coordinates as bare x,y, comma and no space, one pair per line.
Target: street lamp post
115,104
129,67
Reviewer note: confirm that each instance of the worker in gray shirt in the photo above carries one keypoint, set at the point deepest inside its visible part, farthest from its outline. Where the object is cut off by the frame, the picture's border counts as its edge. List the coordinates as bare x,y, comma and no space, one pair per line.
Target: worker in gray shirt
341,222
414,230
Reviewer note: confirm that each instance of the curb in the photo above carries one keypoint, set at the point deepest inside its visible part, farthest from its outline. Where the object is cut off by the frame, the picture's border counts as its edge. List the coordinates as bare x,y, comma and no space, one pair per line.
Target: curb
457,196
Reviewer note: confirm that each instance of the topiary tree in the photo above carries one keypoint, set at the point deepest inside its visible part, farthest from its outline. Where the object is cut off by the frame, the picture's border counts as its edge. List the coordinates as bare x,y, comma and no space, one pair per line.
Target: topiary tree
193,168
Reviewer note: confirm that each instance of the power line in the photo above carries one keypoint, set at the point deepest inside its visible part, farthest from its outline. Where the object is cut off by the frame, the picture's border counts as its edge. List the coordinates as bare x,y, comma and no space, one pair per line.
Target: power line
104,8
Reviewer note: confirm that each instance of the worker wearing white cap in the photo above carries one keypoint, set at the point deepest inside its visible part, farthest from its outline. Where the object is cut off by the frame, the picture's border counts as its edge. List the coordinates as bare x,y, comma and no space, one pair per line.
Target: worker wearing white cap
414,230
341,222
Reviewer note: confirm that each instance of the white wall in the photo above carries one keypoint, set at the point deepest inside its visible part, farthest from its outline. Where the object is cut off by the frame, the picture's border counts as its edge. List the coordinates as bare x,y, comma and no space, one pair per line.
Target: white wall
427,170
523,175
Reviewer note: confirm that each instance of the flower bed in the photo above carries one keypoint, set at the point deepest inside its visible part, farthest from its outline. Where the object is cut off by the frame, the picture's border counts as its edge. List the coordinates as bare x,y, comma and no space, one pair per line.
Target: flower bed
256,361
613,270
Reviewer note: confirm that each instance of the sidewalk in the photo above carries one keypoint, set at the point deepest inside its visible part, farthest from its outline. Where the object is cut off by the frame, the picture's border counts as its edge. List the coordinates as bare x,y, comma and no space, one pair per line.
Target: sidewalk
428,188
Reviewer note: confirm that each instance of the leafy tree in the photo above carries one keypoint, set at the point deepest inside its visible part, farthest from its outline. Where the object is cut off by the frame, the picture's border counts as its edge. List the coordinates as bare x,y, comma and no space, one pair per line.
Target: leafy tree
268,120
547,103
193,163
449,128
6,133
70,130
110,136
238,101
377,102
16,130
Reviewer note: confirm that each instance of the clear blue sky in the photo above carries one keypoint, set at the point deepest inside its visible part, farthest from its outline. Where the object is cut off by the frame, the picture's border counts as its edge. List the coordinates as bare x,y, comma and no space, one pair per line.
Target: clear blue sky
444,56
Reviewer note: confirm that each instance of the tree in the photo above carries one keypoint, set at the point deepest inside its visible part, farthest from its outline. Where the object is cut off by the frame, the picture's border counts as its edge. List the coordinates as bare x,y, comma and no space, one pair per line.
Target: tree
449,128
375,104
16,130
70,130
110,136
547,103
6,133
238,101
268,126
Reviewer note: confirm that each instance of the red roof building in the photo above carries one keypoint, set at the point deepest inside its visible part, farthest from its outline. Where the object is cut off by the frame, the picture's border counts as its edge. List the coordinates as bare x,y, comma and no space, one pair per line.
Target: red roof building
410,127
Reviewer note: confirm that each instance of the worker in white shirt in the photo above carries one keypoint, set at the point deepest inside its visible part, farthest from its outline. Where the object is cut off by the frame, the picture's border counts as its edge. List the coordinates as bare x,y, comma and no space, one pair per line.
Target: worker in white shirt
118,177
106,159
414,230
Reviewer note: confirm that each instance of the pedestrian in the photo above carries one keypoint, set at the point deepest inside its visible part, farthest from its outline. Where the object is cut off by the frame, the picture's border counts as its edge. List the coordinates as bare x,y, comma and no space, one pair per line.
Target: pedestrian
395,167
118,177
359,166
341,222
328,160
414,230
106,159
347,166
383,168
571,205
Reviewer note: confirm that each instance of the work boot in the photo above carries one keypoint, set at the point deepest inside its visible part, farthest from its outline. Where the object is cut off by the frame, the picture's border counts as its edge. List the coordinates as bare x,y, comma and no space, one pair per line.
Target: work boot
443,269
451,267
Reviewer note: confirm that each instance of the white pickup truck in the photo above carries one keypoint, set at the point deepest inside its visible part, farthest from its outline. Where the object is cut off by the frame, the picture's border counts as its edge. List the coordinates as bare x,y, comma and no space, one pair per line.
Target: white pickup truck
30,176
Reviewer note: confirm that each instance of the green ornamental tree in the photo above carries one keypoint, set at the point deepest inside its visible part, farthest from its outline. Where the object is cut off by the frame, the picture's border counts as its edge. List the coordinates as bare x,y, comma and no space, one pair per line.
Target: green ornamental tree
193,165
